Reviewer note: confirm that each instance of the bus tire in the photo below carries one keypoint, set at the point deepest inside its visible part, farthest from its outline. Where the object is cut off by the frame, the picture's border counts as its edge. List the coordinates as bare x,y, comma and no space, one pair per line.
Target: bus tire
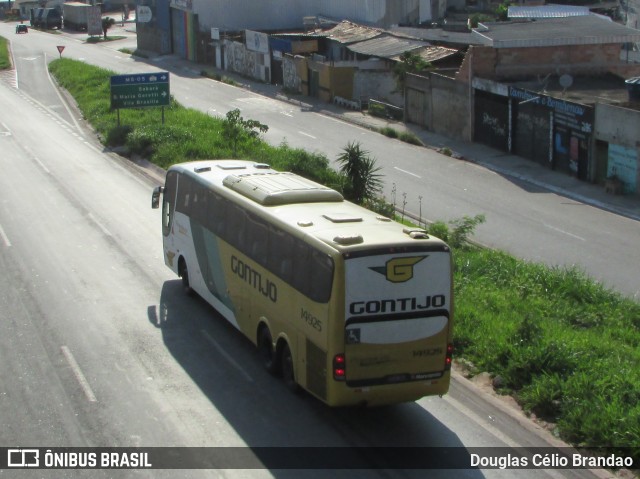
288,374
183,272
266,351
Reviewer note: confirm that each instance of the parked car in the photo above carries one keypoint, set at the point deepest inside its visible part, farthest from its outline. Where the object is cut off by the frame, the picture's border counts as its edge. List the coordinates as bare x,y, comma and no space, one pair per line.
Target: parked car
22,28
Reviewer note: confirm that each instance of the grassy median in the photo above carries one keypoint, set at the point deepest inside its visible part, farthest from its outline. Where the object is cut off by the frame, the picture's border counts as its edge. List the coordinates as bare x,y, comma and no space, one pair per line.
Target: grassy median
5,62
564,346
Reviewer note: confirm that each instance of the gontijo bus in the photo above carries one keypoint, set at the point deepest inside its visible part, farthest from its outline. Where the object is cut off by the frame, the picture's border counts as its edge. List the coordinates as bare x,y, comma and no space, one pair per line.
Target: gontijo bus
345,303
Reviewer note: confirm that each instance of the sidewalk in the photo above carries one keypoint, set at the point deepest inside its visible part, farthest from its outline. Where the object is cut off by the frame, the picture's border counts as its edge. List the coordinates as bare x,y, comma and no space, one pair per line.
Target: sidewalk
503,163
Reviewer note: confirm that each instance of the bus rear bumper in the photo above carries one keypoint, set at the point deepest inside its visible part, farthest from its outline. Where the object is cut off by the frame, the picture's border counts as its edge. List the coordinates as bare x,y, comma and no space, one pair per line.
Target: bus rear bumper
372,396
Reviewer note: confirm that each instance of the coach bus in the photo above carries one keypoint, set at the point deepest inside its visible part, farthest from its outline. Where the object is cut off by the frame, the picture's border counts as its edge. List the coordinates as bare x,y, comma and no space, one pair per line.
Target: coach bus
347,304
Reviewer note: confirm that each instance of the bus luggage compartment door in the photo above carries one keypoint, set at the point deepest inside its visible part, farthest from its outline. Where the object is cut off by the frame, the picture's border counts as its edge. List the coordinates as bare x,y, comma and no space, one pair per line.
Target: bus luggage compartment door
395,350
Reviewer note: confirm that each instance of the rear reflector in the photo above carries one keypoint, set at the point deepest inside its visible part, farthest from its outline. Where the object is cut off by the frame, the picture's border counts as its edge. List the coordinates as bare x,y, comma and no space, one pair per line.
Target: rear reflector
339,367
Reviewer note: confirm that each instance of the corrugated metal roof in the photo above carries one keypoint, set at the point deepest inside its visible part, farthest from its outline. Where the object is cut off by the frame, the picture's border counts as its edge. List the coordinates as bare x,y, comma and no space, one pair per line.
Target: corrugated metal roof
439,35
581,30
547,11
432,54
386,46
346,32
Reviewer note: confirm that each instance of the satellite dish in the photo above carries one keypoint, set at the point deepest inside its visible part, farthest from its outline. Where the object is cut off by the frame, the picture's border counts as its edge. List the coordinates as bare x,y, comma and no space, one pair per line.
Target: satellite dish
566,81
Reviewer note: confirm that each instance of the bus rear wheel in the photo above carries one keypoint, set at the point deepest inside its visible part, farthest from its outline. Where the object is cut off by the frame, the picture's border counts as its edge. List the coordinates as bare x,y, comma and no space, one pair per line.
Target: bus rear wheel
267,354
288,375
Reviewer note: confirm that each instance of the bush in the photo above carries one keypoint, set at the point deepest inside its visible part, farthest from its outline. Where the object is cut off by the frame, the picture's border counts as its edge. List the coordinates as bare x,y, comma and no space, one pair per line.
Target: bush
409,137
117,136
390,132
377,110
380,206
459,234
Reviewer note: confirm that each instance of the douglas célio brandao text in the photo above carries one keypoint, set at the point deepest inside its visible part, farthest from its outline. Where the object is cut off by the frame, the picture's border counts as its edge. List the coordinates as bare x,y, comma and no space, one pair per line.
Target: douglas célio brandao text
549,461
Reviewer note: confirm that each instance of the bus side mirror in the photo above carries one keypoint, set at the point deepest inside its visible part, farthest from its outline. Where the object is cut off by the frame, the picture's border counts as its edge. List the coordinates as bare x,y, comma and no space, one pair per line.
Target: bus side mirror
155,197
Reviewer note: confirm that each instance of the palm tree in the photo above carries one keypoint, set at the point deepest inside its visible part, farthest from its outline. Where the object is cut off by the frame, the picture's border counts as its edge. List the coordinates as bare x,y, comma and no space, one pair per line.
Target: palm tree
361,170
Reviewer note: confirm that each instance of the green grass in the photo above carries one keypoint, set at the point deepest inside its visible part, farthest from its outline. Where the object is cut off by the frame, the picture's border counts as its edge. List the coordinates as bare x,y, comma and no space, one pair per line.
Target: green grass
405,136
565,347
5,61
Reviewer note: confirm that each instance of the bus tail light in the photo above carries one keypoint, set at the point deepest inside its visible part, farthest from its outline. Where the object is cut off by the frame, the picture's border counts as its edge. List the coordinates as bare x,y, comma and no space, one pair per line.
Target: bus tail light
449,357
339,367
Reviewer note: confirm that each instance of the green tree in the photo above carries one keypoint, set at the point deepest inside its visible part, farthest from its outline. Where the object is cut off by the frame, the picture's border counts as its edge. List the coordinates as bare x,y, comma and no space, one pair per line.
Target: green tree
409,63
362,173
502,11
107,23
236,128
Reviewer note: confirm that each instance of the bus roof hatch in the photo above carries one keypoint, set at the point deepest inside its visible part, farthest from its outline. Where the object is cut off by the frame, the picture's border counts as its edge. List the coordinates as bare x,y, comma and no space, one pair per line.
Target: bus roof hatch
280,188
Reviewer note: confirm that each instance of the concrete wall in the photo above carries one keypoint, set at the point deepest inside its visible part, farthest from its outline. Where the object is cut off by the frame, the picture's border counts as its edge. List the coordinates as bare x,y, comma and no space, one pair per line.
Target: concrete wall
248,63
380,13
342,82
377,85
292,69
619,128
439,104
323,70
233,15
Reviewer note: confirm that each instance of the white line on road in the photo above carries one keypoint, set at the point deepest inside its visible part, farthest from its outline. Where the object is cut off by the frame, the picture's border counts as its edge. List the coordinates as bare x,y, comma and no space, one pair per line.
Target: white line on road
77,372
104,230
407,172
226,355
5,238
564,232
46,170
307,134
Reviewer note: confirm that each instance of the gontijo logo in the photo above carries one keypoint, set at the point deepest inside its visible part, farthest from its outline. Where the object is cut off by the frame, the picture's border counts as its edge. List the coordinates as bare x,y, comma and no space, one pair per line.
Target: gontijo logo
399,270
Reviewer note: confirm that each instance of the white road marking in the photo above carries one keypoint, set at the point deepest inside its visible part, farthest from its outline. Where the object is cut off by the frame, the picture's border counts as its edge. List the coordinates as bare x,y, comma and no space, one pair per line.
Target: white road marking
226,355
77,372
307,134
100,225
564,232
46,170
5,238
407,172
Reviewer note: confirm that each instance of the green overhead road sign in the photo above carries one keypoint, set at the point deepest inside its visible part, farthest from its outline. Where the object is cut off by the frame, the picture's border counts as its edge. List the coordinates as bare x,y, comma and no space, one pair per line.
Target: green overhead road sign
140,90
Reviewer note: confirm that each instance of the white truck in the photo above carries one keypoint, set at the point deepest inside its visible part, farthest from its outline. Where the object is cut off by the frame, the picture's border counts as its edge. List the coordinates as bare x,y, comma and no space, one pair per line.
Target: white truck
77,16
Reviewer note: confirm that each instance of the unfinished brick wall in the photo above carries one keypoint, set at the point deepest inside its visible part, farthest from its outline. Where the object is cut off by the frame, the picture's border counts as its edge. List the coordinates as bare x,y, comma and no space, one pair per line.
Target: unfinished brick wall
502,64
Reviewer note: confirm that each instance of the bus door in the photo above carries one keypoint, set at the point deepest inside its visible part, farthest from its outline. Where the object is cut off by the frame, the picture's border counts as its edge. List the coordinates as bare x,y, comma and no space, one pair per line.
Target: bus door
397,318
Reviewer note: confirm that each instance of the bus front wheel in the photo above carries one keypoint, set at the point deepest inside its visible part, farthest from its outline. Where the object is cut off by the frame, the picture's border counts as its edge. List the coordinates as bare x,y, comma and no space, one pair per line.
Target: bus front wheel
183,272
288,375
267,354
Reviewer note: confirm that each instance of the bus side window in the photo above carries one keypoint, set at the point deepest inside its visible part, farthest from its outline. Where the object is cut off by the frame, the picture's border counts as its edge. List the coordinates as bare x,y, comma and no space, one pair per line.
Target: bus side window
183,201
321,270
257,236
301,273
236,234
279,254
199,203
168,201
215,214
